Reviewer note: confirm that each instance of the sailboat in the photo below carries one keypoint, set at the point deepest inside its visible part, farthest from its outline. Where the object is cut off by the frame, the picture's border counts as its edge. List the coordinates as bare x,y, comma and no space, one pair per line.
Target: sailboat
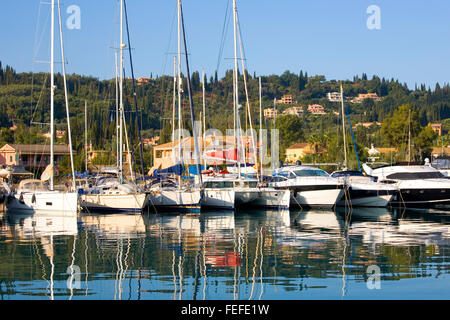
181,198
34,195
248,191
113,193
362,190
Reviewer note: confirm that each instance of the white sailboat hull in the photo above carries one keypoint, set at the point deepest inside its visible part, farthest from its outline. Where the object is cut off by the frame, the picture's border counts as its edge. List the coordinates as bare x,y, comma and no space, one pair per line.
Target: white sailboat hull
317,198
131,202
218,199
48,201
263,197
174,200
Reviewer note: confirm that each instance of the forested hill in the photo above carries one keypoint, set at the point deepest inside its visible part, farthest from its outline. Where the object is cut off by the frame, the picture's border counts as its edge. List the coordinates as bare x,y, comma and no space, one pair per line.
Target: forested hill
24,99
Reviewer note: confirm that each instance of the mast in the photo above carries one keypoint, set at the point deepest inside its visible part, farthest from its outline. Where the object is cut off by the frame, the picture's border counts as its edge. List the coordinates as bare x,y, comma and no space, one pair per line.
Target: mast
117,112
85,136
179,78
272,151
122,45
261,154
139,123
204,113
69,133
236,94
409,135
247,98
343,128
179,87
52,90
174,106
191,104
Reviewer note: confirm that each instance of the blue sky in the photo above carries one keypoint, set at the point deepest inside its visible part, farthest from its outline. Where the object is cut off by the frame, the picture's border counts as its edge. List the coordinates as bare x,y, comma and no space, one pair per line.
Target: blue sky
327,37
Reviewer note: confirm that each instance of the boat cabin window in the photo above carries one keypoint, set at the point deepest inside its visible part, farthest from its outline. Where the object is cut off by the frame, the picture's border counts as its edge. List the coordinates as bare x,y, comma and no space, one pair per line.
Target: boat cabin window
218,184
415,175
287,175
34,186
311,173
278,179
246,184
347,174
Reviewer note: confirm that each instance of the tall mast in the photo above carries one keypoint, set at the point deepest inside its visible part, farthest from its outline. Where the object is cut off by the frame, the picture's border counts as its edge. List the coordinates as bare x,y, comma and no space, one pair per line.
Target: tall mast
179,87
191,103
248,110
409,135
85,136
261,154
52,89
174,105
204,113
179,79
272,149
69,133
236,88
343,128
117,112
122,45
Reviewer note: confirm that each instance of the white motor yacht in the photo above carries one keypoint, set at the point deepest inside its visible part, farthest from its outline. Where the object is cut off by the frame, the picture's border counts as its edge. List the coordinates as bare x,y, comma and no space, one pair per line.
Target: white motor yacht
363,191
418,185
309,186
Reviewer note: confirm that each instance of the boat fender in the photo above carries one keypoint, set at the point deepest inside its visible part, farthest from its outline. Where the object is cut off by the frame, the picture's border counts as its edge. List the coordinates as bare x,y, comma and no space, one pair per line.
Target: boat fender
33,198
21,198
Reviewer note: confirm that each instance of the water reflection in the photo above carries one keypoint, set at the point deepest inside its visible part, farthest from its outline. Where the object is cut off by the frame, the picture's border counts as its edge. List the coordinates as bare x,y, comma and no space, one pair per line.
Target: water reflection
224,255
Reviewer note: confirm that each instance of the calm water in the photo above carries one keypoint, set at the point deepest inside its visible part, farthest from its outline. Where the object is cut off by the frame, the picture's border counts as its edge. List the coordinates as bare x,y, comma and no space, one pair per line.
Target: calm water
226,255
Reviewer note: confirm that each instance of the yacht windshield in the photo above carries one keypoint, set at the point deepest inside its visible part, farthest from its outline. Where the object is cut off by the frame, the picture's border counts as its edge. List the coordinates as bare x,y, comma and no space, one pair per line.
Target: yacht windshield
310,173
415,175
347,174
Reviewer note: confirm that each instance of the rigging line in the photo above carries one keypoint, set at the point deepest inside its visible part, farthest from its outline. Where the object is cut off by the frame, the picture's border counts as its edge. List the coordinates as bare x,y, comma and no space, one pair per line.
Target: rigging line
40,96
351,131
132,162
191,103
69,134
223,36
134,94
241,46
37,45
170,41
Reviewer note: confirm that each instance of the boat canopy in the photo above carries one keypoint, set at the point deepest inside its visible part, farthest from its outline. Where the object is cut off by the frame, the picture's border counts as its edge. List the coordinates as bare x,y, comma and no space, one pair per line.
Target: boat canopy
176,169
32,185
